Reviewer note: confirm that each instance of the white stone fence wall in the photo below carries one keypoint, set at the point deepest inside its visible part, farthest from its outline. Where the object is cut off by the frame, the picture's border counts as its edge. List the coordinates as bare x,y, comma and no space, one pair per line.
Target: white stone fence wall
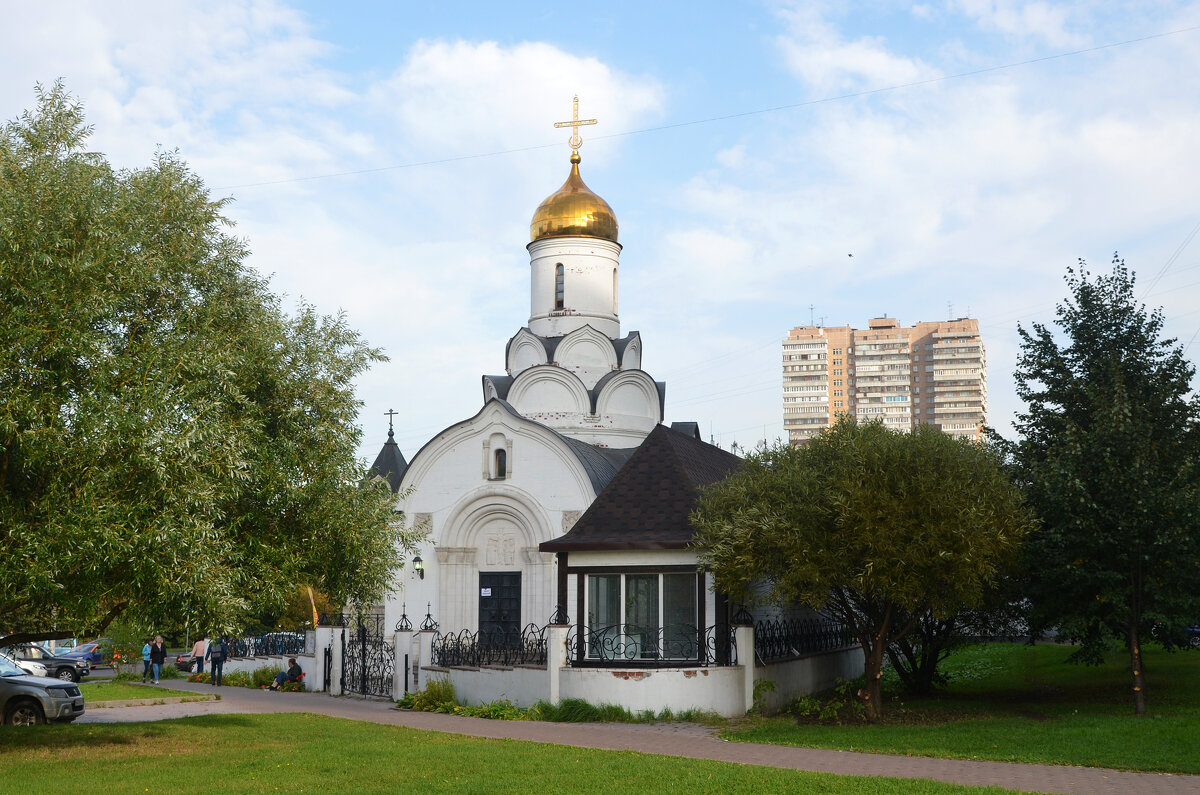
725,690
308,662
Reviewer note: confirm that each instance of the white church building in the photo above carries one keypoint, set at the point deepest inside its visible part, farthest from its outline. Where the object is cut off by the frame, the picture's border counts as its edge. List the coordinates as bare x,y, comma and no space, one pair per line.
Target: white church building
558,513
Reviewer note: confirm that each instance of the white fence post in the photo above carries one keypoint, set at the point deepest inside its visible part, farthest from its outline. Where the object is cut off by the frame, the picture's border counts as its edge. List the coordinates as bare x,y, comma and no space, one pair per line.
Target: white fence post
322,639
743,637
335,670
556,659
402,647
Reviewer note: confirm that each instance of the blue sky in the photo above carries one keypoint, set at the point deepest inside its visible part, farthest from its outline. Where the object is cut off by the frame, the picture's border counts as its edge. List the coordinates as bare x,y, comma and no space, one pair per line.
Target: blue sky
954,194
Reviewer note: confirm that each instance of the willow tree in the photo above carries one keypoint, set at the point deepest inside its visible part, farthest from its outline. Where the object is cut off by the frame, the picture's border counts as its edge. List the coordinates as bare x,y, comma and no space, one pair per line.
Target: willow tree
173,444
875,528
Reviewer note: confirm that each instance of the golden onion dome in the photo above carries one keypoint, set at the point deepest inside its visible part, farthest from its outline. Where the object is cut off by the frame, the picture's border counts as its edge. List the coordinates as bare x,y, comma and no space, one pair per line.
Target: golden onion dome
573,210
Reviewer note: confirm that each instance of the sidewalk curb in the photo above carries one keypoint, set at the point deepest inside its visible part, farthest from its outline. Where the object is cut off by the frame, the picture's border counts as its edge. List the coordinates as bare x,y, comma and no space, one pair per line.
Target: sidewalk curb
150,702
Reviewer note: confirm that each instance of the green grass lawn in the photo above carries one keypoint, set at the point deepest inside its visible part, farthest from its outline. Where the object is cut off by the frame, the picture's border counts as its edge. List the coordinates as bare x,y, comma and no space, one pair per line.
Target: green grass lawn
1012,702
311,753
120,691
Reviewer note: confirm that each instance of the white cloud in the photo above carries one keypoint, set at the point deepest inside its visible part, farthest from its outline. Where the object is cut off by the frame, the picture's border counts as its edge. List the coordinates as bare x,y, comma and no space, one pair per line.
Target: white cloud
1039,20
816,52
459,96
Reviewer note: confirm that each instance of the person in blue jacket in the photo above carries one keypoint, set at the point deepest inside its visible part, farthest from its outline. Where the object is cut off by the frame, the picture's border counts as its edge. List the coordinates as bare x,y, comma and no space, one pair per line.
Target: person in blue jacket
145,661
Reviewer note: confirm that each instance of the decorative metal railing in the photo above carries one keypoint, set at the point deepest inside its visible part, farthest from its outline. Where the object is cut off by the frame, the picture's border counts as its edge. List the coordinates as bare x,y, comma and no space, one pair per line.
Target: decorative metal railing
368,660
677,645
785,639
497,647
273,643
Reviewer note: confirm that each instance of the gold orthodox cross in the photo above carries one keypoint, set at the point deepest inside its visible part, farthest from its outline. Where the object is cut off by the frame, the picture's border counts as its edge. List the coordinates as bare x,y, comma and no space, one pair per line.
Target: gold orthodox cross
575,123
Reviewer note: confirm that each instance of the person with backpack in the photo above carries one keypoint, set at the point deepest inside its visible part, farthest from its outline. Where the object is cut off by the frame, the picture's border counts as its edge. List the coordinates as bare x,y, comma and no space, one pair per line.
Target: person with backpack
217,652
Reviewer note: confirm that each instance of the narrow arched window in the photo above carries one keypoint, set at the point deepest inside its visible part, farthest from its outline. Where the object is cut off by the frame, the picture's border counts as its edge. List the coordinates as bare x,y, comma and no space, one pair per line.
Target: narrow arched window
614,291
501,464
558,286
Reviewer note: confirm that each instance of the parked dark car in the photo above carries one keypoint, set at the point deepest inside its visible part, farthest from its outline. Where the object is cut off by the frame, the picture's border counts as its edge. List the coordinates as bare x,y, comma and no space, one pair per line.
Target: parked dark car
185,663
68,669
1193,636
97,652
31,700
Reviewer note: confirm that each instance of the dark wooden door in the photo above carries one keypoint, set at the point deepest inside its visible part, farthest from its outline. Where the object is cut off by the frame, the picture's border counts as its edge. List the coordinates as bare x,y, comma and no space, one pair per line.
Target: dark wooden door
499,607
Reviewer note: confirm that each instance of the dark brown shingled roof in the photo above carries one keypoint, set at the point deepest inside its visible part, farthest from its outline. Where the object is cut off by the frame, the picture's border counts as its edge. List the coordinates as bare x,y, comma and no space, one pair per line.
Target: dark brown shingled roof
646,505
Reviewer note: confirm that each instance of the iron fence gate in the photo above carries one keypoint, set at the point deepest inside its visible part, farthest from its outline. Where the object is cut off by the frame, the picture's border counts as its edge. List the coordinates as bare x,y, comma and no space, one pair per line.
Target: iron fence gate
368,661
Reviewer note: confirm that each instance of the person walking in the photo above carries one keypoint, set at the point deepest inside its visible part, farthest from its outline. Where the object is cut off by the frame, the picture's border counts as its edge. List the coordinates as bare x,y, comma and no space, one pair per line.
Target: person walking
217,652
198,653
158,656
146,660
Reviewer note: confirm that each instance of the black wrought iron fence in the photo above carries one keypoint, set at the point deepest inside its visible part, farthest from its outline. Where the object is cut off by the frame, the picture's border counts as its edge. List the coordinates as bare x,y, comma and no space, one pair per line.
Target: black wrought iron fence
273,643
495,647
788,638
674,645
368,660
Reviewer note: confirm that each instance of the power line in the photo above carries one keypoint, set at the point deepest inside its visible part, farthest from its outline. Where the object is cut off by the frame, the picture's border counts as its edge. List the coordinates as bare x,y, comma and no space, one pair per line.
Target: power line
728,116
1171,259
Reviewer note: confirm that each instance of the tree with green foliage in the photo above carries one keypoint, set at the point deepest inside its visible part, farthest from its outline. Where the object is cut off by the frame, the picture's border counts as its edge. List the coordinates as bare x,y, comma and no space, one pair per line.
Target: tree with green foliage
1109,456
916,657
173,445
871,526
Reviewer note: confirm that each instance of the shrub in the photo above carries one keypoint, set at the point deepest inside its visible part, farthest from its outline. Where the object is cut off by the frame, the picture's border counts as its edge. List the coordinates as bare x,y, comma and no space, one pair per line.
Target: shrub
438,696
294,687
576,710
202,678
496,710
839,705
263,677
236,679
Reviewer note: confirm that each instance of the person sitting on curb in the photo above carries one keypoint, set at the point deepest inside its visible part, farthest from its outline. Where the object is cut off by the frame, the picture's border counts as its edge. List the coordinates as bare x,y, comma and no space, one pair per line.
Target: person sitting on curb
292,674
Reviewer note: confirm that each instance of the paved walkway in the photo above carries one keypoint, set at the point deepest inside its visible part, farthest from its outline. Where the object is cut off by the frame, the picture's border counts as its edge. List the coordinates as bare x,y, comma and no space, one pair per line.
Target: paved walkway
681,740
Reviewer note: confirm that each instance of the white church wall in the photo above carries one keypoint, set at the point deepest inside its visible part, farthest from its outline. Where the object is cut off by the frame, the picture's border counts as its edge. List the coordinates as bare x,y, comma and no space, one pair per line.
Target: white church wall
524,686
484,524
720,690
548,391
589,282
588,354
525,351
249,665
631,394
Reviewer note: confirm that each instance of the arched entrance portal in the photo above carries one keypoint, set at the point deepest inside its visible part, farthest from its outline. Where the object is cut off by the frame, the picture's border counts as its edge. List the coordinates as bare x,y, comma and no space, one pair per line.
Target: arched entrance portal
494,577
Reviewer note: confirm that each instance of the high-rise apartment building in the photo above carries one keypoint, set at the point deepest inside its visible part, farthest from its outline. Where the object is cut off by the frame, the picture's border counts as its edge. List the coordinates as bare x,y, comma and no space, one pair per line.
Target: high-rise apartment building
930,373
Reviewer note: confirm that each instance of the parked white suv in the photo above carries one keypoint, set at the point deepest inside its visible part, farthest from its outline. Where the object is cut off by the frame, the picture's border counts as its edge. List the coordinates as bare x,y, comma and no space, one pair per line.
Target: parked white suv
31,667
31,700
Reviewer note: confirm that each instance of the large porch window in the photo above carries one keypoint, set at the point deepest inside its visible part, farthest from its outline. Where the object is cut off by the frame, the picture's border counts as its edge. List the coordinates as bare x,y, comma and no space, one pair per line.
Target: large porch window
642,616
